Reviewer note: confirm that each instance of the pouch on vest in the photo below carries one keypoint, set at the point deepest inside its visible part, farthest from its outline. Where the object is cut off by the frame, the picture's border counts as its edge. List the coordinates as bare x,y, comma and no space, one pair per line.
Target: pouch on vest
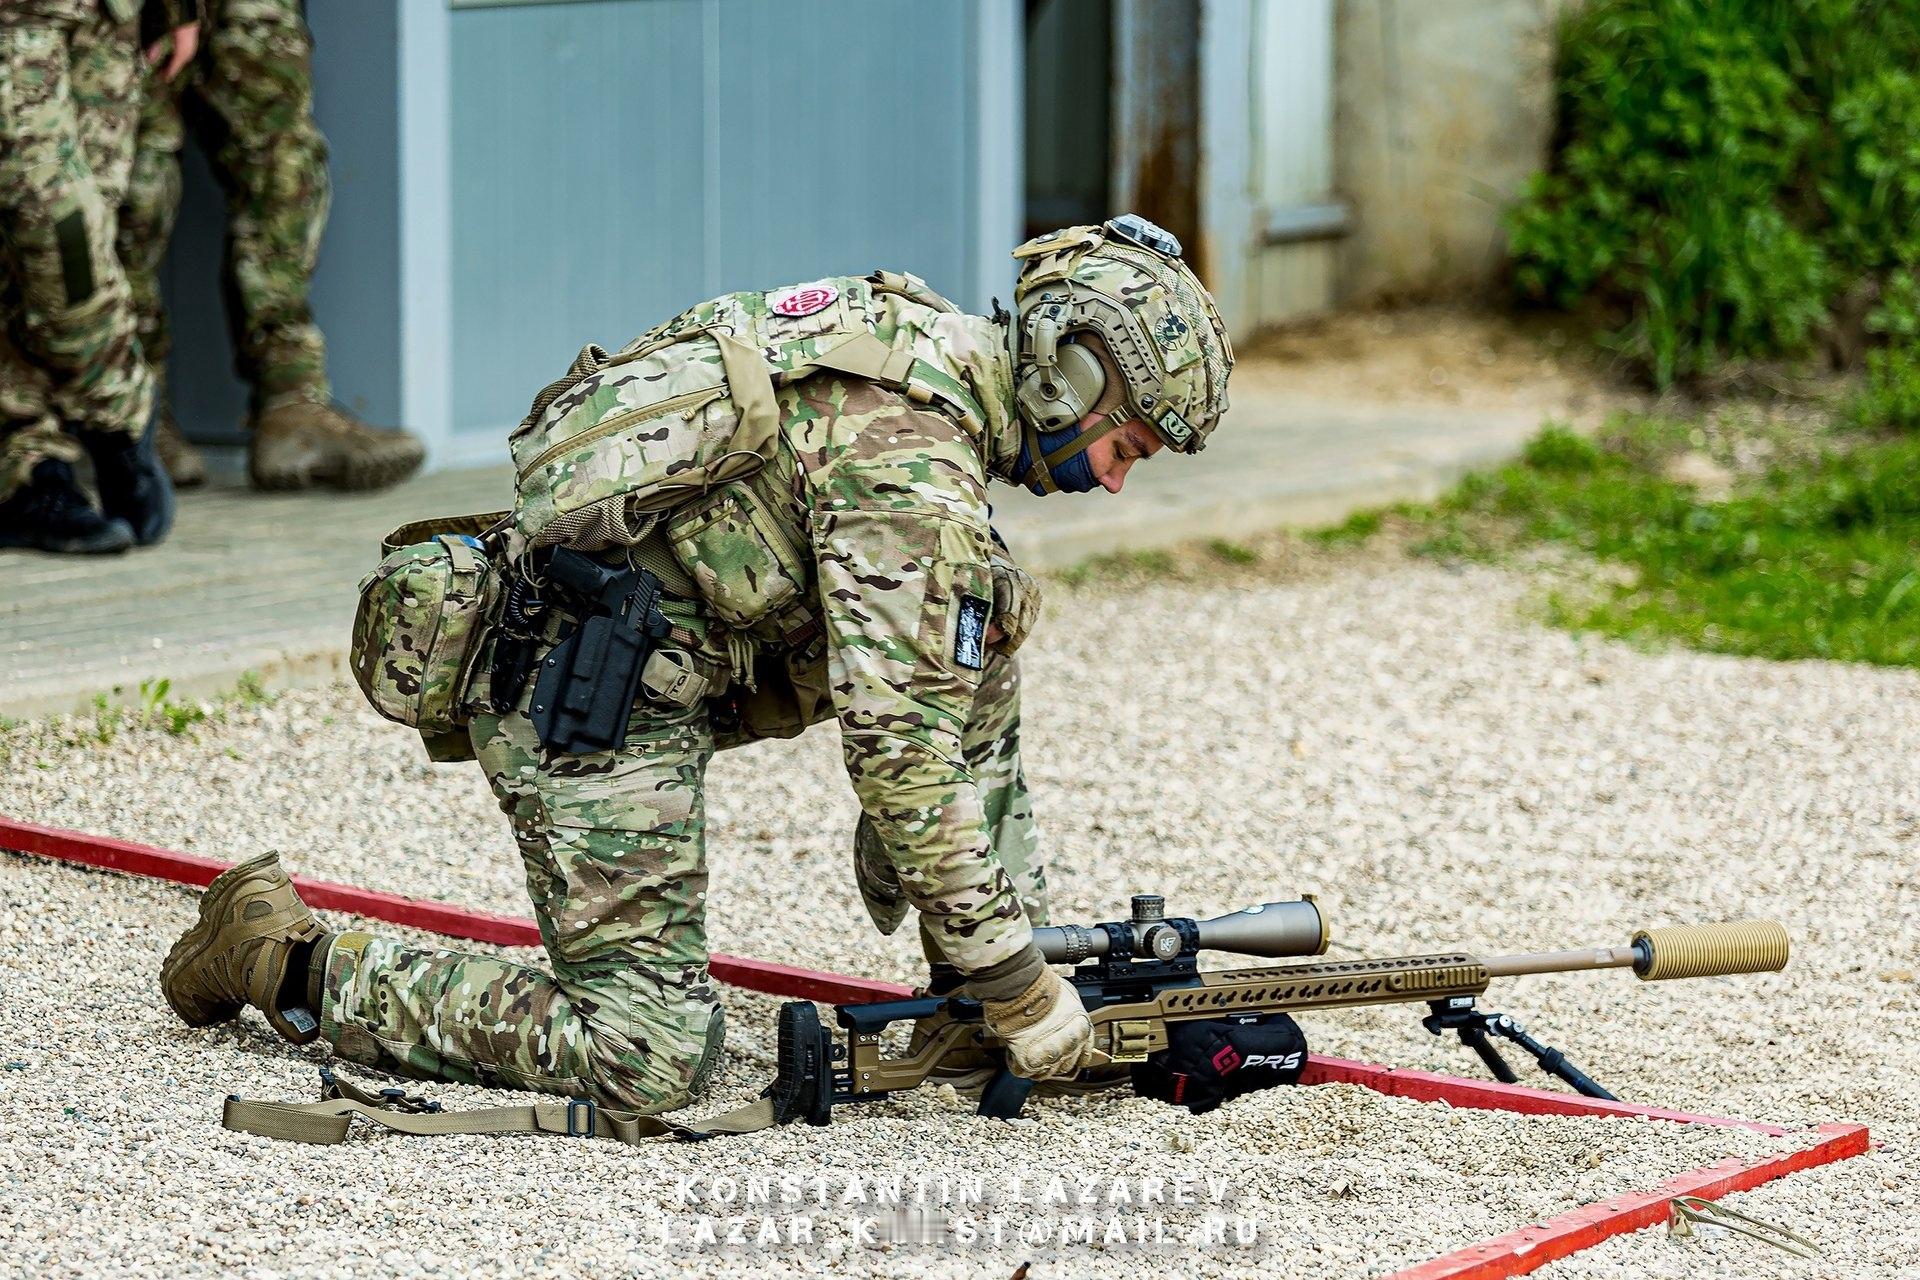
417,634
1207,1062
740,557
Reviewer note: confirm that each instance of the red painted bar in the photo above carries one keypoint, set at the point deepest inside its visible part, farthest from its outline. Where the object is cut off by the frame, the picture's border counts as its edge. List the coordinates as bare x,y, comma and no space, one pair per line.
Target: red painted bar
1530,1248
1490,1095
436,917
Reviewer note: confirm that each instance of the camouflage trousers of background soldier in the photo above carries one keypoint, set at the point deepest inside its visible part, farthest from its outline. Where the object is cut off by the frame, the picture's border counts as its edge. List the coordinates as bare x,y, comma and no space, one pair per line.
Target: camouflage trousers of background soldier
68,348
248,98
614,846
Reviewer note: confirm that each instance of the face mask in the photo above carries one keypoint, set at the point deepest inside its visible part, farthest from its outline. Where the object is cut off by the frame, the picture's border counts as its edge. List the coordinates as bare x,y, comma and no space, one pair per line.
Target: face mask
1062,465
1071,475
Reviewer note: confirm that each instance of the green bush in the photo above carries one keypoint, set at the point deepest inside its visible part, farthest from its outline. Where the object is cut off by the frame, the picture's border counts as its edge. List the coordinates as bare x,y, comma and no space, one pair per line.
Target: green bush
1890,400
1724,171
1818,558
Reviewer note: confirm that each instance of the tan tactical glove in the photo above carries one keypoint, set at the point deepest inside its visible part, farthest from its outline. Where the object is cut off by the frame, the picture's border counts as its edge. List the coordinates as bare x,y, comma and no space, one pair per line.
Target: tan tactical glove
879,883
1016,601
1046,1030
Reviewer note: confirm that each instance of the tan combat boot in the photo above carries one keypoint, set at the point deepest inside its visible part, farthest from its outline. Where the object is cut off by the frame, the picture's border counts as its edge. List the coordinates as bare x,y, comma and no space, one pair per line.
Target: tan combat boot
183,462
304,442
236,955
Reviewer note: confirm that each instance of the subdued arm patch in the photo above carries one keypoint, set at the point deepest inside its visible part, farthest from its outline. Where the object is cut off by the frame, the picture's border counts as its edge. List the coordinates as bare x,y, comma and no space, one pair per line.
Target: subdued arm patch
970,632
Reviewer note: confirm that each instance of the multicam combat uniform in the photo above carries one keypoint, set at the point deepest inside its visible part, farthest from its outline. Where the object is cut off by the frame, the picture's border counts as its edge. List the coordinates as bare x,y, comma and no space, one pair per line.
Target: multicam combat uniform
248,98
886,493
69,71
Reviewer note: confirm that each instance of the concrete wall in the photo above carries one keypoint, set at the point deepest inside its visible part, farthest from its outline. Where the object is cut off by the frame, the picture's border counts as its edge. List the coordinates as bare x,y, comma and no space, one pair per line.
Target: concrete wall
1442,110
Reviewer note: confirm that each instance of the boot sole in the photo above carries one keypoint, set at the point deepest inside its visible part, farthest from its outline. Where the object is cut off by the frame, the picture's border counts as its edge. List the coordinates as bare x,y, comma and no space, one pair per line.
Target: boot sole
193,943
354,477
111,541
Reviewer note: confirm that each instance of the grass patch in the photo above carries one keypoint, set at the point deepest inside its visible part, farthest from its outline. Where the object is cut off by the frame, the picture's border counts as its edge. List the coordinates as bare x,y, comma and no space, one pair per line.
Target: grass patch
1232,552
1813,558
1149,564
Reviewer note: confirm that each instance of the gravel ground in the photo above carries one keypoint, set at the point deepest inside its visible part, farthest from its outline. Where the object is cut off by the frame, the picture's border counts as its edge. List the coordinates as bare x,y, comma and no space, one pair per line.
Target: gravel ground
1393,737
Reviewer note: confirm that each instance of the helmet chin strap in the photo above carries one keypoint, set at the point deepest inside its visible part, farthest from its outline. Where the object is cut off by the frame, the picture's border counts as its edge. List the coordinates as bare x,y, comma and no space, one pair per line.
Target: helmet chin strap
1040,474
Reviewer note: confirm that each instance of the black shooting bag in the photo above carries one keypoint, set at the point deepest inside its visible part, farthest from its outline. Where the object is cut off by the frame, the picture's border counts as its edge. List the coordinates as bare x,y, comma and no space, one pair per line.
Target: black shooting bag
1207,1062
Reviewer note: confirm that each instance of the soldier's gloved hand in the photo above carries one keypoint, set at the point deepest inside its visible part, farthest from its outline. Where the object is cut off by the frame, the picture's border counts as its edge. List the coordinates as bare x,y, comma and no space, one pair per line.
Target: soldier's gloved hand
1016,603
1046,1030
879,883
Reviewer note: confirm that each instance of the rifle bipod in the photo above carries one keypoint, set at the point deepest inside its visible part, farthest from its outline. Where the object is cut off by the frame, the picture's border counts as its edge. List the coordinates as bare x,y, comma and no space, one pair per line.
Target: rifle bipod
1458,1014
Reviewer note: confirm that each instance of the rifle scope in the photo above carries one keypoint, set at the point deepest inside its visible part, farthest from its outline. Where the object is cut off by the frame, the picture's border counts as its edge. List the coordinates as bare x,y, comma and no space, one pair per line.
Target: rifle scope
1270,929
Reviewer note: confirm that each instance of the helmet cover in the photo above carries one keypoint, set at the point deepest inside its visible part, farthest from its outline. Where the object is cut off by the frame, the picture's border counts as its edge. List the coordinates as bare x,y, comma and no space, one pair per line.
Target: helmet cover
1124,282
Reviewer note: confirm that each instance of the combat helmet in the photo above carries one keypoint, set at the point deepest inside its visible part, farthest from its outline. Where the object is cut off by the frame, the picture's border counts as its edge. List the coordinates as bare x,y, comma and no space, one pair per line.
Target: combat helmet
1113,298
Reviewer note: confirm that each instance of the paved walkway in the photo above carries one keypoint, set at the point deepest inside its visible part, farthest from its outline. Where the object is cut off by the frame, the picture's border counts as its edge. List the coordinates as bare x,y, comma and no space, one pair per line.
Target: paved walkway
266,582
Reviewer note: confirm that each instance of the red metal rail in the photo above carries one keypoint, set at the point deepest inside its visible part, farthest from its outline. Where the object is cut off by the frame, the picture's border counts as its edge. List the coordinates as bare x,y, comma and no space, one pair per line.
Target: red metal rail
1529,1248
436,917
1513,1254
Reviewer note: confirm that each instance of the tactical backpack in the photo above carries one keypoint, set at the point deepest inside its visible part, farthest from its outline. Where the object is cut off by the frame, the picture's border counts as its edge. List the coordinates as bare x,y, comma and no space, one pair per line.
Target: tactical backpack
688,406
621,450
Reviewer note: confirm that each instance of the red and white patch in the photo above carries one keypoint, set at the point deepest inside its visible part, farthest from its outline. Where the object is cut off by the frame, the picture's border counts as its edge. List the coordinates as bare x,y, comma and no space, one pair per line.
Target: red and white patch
803,300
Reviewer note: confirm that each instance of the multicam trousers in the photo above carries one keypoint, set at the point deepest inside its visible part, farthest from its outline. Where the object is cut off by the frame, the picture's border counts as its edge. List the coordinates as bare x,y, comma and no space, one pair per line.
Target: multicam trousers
68,351
614,846
248,99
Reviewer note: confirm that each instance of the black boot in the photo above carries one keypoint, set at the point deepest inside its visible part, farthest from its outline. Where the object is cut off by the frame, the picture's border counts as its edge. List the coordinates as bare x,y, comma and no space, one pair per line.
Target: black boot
51,514
133,485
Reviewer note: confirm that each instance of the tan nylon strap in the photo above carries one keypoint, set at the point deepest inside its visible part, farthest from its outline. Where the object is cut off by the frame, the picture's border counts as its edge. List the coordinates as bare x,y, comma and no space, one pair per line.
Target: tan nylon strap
865,356
327,1121
473,525
751,388
1081,442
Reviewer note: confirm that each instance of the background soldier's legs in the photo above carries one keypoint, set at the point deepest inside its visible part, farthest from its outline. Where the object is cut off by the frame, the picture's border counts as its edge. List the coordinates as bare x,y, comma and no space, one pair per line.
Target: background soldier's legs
252,108
66,129
148,214
614,847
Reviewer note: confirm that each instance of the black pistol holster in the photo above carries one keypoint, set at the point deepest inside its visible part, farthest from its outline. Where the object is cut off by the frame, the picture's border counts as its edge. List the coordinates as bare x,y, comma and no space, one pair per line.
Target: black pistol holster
587,684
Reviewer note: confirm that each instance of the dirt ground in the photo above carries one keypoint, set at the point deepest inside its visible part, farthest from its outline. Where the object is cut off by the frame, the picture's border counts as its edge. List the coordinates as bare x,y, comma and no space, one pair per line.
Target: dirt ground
1438,356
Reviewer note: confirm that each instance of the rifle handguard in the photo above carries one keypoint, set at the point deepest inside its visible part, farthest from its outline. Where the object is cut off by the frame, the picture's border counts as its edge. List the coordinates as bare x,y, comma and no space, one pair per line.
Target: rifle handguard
1709,950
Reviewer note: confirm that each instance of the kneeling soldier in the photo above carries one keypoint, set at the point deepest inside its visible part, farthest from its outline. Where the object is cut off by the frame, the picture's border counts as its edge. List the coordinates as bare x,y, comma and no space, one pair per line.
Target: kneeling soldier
789,493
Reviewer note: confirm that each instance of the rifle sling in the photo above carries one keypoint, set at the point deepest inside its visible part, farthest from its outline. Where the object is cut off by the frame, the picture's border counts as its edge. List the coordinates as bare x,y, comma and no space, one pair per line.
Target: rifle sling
327,1121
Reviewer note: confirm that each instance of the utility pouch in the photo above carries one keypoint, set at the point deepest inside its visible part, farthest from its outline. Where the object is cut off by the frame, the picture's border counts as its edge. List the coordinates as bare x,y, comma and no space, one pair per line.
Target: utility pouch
588,682
742,562
418,630
1205,1063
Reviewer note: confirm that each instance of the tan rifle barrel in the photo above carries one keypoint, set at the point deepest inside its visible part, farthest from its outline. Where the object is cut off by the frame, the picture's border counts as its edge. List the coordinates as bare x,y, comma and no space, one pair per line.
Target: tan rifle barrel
1560,961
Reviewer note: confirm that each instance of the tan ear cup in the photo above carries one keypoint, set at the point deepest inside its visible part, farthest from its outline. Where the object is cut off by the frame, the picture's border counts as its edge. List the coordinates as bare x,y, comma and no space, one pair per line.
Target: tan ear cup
1081,369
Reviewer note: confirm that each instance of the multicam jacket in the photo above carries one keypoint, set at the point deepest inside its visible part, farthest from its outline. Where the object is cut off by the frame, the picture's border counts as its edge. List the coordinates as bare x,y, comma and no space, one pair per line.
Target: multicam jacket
849,574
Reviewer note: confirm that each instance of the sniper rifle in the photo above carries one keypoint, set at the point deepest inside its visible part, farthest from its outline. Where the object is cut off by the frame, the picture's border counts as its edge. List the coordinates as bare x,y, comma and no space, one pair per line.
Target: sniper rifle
1140,980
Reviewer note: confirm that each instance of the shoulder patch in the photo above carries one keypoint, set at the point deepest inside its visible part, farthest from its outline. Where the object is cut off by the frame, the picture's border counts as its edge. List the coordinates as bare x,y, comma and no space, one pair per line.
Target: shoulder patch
802,300
970,633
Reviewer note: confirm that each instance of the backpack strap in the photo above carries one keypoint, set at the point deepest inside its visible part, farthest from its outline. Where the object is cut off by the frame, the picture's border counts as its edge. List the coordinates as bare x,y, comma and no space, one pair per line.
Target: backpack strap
865,356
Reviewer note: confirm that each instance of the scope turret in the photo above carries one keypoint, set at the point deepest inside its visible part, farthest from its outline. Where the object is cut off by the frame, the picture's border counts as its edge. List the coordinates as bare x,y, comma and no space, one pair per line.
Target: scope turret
1270,929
